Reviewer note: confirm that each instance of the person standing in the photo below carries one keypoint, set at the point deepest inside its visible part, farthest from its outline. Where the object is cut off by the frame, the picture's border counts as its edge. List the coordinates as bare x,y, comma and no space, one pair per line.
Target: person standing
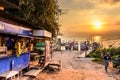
107,58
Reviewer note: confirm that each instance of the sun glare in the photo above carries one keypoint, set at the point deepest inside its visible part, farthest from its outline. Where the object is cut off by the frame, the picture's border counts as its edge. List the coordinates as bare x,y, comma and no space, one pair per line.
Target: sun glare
97,25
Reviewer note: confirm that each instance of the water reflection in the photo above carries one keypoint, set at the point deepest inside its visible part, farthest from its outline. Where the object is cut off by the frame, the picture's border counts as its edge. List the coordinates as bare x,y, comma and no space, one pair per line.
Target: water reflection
97,38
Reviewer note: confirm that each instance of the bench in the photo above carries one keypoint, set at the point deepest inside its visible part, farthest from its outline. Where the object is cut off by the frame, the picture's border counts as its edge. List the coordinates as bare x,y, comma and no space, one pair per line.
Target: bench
33,72
9,74
55,63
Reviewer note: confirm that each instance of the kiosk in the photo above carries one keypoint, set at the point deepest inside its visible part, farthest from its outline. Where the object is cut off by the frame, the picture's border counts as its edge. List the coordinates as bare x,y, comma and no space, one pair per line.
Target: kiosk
41,51
42,44
10,61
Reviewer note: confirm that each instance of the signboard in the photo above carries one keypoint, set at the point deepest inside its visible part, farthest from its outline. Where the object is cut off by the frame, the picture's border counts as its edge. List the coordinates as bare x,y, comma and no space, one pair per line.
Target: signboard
47,34
42,33
14,29
10,28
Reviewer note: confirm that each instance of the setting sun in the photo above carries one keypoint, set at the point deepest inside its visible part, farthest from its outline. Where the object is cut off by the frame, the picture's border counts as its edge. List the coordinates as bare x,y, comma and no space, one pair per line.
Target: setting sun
97,25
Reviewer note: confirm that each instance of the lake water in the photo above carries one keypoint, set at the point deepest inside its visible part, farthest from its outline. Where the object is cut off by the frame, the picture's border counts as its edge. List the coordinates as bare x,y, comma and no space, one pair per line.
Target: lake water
96,38
104,40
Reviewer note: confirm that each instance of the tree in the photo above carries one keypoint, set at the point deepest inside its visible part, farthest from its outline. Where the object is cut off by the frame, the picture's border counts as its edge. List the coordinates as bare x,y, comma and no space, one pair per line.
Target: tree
44,14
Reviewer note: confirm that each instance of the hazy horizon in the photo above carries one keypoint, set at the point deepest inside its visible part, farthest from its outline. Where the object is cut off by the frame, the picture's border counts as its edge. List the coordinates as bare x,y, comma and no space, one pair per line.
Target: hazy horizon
83,14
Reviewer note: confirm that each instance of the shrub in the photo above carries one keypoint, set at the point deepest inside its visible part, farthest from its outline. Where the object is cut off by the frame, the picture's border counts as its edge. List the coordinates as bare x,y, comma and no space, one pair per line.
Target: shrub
116,60
114,52
95,54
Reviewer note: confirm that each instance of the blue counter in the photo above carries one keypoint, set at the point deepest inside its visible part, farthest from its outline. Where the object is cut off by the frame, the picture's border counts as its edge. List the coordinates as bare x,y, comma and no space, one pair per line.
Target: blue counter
20,62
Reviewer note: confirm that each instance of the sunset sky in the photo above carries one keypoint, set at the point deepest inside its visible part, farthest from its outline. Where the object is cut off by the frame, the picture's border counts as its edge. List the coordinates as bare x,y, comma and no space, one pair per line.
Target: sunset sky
82,15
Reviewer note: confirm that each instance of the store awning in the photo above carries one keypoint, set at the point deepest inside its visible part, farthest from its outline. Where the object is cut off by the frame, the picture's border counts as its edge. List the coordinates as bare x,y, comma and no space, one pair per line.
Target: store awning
7,4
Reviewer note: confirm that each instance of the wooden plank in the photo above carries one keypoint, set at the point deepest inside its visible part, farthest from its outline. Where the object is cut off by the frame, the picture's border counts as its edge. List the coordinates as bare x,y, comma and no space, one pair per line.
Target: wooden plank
55,63
9,74
33,72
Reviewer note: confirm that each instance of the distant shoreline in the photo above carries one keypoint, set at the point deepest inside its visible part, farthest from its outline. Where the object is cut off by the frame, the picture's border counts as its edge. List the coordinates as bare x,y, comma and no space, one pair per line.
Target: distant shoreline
114,43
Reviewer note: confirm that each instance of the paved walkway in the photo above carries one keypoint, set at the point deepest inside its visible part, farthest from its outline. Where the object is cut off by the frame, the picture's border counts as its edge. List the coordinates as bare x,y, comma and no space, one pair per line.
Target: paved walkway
74,68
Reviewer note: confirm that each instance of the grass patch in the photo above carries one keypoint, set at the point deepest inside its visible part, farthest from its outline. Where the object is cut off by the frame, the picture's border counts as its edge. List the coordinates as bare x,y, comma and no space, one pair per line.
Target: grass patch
98,60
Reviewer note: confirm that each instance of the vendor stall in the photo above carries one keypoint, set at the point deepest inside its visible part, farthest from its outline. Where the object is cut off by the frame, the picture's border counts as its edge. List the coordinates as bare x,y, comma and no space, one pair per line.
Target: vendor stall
14,56
42,46
14,52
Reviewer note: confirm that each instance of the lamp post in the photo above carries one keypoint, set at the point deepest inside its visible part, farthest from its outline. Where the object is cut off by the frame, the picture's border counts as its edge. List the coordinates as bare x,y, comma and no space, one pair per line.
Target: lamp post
59,37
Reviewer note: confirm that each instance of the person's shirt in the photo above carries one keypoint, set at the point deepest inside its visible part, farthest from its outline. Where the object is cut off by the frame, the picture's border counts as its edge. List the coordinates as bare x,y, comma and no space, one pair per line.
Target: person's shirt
107,57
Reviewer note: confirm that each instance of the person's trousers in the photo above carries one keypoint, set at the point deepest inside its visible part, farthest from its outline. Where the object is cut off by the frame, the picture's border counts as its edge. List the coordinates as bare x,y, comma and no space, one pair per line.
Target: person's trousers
106,63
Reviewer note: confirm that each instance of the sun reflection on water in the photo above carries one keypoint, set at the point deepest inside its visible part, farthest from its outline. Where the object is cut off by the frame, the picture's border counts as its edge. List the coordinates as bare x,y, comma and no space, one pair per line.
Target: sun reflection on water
97,38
